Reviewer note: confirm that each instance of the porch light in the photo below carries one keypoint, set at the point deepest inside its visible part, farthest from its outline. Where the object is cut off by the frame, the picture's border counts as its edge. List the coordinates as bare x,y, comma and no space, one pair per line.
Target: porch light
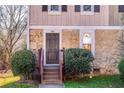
87,41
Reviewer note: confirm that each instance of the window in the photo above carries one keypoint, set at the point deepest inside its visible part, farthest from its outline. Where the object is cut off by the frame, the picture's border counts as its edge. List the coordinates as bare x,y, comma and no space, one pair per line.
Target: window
121,8
77,8
87,9
95,8
64,8
54,9
44,8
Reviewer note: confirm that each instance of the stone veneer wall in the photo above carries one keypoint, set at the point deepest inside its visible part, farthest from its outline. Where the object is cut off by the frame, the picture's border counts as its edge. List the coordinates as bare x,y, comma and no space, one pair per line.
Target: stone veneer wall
107,50
106,46
70,38
36,40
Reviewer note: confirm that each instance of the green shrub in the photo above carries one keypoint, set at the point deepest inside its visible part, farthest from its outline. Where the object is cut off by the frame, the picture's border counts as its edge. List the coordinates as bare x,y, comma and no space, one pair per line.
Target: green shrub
77,61
23,62
121,69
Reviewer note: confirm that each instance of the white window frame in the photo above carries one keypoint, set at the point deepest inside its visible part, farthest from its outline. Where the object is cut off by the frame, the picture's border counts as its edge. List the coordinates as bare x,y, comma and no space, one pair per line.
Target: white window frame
54,12
87,12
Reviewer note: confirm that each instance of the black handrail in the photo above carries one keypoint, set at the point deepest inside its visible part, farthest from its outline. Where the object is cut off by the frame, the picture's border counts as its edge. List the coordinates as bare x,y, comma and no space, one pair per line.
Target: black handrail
41,64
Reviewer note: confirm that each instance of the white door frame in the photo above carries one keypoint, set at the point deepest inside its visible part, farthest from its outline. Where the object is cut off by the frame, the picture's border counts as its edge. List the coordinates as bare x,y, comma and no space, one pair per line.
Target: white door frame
44,42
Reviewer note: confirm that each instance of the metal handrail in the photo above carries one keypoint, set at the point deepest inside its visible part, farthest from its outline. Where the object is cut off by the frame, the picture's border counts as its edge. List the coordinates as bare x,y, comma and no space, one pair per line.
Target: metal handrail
60,63
62,59
41,62
63,65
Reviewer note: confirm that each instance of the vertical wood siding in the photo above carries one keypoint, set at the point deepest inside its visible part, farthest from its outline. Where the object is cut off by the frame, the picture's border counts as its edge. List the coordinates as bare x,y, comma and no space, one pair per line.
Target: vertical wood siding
114,15
70,18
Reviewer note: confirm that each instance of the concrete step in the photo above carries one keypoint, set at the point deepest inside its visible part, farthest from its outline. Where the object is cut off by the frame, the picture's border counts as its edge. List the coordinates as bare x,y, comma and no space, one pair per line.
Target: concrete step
51,85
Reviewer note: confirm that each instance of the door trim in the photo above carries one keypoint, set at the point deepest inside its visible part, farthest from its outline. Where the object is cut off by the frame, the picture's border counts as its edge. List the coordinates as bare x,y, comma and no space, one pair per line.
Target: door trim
44,42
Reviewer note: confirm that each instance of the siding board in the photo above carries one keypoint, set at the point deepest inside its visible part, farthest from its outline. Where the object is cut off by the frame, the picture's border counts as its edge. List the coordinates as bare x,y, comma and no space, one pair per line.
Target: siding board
69,18
114,15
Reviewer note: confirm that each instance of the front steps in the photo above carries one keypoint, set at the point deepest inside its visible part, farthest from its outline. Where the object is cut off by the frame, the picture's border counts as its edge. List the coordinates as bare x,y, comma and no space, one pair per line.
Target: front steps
51,75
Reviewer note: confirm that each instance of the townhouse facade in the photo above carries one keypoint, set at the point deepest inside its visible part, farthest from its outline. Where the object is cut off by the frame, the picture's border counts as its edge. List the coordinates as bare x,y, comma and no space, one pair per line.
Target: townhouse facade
94,27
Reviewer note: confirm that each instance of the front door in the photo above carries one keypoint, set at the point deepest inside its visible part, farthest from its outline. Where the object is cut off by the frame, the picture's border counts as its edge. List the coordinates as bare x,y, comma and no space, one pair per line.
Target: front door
52,48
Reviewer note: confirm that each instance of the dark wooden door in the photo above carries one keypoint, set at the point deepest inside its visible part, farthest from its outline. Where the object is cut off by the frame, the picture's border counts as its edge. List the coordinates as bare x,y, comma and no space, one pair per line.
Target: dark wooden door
52,48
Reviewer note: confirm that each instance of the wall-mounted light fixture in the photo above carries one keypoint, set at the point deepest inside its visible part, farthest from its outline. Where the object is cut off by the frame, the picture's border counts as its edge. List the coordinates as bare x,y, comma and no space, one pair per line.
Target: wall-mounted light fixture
87,41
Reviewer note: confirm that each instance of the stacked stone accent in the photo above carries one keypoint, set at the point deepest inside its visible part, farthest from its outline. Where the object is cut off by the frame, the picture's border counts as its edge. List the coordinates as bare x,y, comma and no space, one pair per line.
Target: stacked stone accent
36,40
107,51
106,46
70,38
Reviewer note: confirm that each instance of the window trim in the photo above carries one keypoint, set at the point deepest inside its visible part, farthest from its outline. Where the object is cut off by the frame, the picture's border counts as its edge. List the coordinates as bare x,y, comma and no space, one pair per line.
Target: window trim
54,12
87,12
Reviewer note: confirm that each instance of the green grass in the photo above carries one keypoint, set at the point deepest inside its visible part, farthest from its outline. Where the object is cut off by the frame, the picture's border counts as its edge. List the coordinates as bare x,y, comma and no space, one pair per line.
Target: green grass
112,81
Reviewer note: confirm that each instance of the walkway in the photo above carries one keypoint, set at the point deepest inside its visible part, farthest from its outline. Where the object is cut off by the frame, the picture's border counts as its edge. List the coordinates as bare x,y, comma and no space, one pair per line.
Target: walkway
51,86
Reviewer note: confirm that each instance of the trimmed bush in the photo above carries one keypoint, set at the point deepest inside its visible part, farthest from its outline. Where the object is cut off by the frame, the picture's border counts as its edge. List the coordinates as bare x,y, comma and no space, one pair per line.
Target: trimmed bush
121,69
77,61
23,63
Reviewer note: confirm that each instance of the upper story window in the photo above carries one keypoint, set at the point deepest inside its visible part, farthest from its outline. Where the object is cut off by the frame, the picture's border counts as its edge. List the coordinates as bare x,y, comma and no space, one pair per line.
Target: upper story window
84,9
54,9
87,9
121,8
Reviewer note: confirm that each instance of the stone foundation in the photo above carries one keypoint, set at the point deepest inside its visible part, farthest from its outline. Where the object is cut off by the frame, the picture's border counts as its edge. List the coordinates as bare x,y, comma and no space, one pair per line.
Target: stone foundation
107,51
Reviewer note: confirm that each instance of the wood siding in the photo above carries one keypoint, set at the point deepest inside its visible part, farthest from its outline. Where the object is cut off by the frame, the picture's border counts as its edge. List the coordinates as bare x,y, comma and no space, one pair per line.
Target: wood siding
114,15
70,18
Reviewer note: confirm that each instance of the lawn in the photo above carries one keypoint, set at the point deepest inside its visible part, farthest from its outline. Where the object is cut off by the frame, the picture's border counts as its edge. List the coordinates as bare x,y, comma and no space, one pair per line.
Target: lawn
112,81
